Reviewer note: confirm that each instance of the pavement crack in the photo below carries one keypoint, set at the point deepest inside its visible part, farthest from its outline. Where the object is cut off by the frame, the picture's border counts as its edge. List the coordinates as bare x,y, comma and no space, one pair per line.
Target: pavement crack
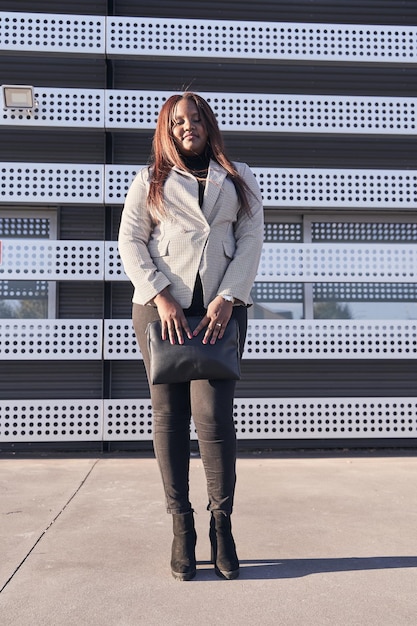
42,535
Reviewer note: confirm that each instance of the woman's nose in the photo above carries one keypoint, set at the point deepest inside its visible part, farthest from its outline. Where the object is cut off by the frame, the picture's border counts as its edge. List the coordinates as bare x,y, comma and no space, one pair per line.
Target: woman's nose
189,124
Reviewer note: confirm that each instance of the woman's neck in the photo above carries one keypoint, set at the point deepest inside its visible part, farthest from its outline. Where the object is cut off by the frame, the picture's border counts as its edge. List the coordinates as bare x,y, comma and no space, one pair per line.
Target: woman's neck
197,164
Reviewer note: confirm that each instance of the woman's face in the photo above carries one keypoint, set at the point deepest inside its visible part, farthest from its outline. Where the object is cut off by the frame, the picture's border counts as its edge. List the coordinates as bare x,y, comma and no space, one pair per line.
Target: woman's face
189,131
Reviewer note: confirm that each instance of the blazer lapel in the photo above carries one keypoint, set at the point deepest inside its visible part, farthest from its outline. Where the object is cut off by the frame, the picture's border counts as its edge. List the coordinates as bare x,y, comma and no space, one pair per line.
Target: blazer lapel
185,194
215,179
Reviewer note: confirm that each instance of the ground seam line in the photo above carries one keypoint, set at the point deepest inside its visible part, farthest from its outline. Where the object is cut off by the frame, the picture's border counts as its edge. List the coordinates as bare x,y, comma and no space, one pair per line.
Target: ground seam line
49,525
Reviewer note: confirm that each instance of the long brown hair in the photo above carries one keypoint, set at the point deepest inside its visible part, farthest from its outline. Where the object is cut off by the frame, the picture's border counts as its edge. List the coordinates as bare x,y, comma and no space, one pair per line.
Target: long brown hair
165,154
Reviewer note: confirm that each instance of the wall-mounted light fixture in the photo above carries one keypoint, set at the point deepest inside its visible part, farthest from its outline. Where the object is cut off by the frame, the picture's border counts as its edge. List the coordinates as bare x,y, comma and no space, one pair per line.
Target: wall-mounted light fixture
18,97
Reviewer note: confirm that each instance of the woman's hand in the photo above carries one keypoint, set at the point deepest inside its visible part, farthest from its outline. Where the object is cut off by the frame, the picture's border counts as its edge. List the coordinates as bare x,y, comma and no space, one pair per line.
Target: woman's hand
173,321
219,312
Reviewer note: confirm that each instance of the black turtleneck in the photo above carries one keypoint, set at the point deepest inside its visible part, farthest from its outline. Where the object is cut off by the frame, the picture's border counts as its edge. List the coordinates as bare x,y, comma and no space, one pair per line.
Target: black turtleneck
198,166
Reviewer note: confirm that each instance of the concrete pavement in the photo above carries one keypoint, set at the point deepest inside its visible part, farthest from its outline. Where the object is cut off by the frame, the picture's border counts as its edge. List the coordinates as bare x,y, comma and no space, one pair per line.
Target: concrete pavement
323,539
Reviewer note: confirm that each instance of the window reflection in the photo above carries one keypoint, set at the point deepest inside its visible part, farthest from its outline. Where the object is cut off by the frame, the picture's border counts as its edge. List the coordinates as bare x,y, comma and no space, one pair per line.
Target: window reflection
365,301
26,299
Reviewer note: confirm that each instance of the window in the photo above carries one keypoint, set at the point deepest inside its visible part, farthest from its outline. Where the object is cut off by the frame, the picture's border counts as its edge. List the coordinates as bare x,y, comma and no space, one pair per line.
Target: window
342,300
27,298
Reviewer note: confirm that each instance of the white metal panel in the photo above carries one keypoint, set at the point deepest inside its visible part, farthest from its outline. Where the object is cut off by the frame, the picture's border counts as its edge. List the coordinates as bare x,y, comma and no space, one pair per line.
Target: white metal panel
283,418
194,38
255,418
68,183
51,420
325,418
327,262
330,262
24,259
273,41
331,339
40,259
63,339
119,340
337,188
290,113
118,179
310,187
127,420
59,107
243,112
296,339
44,183
44,32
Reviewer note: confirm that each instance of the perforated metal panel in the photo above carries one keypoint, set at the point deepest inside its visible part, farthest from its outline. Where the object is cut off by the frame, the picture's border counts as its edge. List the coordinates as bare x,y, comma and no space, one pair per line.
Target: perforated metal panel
60,107
266,418
23,289
51,420
337,187
364,231
277,292
83,183
43,32
318,263
297,339
325,418
51,182
283,418
127,420
139,36
118,179
52,260
342,262
307,186
193,38
275,113
335,339
367,292
244,112
96,260
22,339
24,226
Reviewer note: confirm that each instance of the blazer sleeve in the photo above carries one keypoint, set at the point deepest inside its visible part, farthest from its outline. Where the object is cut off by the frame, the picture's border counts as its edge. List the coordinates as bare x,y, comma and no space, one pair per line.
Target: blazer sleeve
136,227
249,232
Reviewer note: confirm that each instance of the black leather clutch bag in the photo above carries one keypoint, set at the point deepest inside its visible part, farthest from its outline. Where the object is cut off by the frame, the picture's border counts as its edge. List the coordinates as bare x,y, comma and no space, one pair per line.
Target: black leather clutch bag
193,360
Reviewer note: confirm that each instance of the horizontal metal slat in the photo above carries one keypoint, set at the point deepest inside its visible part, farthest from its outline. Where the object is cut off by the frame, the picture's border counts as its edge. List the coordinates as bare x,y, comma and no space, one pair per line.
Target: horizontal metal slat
327,262
203,38
297,339
40,259
289,113
25,339
69,339
310,187
55,183
236,112
255,418
66,183
52,33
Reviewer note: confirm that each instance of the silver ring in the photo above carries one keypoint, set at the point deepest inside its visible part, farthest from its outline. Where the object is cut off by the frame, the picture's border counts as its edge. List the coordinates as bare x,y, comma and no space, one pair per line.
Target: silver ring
219,325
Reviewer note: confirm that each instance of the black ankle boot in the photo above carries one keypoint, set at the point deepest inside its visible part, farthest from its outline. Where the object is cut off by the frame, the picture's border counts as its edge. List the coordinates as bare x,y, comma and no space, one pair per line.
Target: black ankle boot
223,548
183,563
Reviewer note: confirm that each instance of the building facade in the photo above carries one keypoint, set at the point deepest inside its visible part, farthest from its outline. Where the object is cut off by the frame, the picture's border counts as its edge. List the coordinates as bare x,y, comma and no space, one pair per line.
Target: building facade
319,98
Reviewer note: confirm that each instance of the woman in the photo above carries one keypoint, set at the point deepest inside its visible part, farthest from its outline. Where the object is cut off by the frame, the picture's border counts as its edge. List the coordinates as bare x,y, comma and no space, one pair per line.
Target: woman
190,240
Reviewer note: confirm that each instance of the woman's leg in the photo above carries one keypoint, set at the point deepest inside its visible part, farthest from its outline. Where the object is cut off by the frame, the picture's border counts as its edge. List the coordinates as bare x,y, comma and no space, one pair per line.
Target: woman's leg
212,410
171,411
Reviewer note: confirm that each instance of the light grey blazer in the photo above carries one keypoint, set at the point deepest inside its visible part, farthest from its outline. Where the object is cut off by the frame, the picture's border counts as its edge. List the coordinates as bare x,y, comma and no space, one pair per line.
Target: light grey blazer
217,241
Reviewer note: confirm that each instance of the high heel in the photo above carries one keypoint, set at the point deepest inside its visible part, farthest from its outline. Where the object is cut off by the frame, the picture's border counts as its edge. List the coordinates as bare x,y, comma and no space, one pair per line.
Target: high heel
223,548
183,562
